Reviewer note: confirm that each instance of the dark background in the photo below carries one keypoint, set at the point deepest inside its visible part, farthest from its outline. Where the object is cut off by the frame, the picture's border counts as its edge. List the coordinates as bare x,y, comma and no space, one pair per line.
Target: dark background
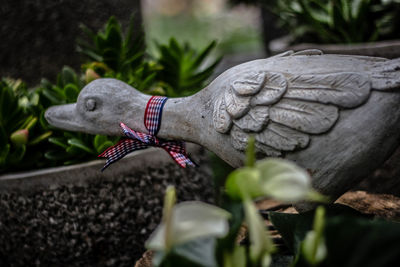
38,37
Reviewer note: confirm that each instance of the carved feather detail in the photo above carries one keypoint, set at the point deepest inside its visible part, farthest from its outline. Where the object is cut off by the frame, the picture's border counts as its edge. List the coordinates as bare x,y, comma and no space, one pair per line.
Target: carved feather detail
250,84
222,120
267,150
254,120
236,105
342,89
282,138
239,138
272,91
304,116
282,110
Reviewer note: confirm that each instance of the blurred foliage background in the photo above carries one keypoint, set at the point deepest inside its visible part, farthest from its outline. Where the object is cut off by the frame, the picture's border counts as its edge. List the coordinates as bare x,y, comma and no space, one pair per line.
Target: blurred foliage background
235,28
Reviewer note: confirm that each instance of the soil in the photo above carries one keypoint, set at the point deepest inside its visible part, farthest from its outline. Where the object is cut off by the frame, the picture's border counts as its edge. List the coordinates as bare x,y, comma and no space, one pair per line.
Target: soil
105,223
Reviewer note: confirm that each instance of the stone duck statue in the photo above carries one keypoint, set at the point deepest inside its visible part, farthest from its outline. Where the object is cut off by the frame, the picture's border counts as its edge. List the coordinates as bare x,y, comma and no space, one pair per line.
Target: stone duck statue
335,115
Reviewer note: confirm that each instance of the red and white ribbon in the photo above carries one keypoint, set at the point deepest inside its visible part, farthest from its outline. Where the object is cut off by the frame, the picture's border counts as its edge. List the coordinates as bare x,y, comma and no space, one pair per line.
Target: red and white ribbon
136,140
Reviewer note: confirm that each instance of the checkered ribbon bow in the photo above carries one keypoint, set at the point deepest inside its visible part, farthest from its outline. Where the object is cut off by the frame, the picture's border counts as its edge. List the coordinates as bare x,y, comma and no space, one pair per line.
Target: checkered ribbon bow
137,140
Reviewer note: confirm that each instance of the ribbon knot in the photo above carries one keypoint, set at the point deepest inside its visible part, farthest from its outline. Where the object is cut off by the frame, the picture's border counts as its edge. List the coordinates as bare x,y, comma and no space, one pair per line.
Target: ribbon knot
137,140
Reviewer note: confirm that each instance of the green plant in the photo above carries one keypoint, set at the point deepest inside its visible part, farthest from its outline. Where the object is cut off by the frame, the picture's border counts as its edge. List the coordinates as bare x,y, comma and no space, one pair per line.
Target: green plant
178,71
337,235
182,68
210,239
121,54
339,21
113,54
198,234
19,131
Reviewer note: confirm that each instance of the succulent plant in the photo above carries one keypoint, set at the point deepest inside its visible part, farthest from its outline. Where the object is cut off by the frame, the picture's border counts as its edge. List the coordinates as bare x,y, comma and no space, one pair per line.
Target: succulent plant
183,68
345,21
19,131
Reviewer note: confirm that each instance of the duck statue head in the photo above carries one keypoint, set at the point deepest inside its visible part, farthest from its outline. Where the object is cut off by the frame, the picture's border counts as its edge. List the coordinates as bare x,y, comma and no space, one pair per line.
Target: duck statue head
100,106
338,116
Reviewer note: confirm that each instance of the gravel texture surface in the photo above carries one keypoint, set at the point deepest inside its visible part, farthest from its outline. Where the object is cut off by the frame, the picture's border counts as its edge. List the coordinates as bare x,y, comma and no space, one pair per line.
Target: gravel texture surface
104,223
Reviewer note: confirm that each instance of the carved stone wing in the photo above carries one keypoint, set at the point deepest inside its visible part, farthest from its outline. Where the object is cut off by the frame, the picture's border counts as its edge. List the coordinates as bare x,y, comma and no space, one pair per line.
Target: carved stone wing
282,110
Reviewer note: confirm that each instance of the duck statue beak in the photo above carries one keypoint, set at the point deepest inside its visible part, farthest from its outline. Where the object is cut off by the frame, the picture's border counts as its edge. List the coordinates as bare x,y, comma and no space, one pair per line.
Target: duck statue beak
64,117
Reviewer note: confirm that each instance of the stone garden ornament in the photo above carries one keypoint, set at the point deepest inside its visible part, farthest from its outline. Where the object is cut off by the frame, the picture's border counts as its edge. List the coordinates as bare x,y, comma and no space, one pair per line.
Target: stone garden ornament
338,116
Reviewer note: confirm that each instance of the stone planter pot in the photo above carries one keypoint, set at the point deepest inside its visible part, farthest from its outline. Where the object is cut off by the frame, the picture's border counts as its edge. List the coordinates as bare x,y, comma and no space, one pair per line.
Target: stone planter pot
386,49
78,216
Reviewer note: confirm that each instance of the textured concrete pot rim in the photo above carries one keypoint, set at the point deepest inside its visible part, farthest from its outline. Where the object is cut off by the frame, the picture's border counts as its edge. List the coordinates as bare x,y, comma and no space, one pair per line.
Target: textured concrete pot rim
82,173
386,49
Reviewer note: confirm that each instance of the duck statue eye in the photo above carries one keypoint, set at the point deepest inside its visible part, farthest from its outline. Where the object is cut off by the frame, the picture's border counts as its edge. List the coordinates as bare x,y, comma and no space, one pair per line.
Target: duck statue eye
90,105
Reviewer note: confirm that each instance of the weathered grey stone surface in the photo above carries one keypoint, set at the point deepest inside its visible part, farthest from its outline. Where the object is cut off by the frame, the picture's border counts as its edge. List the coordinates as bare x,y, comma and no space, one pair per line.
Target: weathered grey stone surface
85,173
335,115
386,49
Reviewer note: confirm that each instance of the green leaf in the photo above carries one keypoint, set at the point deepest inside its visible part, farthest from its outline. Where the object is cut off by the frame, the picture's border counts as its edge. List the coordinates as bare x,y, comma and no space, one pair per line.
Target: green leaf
351,239
68,75
54,97
114,38
243,183
71,92
196,253
73,151
56,155
294,227
250,152
129,35
72,161
42,120
167,219
79,144
100,43
235,208
175,47
99,140
91,54
196,63
104,146
34,99
89,33
40,138
261,245
59,141
236,258
313,247
29,123
44,83
360,242
200,252
17,155
4,152
283,180
111,58
146,83
208,220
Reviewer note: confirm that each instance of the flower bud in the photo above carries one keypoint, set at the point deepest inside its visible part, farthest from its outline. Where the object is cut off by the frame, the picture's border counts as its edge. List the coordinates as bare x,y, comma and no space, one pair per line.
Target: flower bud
20,137
91,75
